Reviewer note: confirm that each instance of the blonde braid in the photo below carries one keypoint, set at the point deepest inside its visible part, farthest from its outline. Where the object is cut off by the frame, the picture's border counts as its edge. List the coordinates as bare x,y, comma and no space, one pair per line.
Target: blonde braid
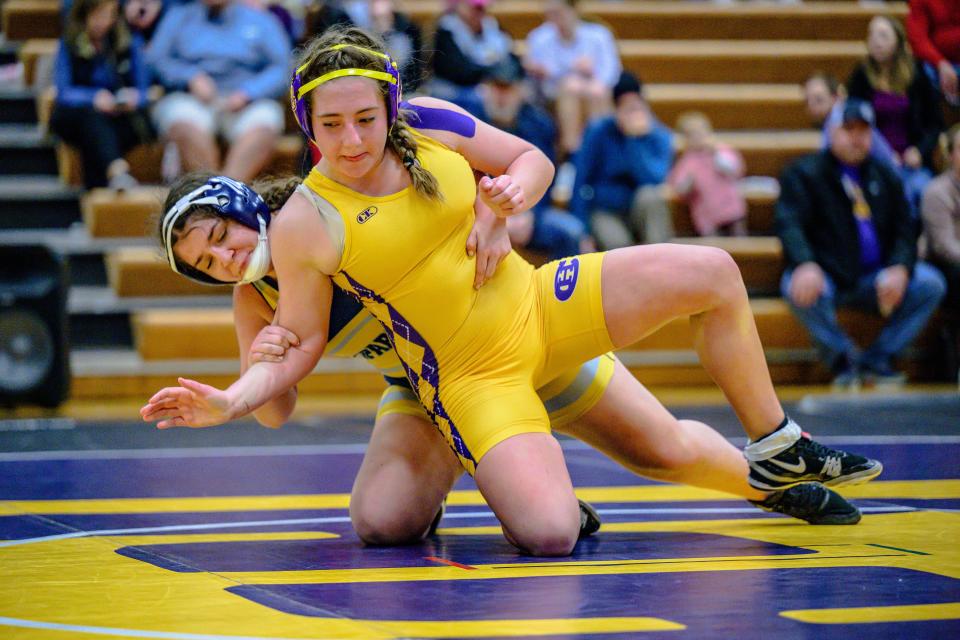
401,140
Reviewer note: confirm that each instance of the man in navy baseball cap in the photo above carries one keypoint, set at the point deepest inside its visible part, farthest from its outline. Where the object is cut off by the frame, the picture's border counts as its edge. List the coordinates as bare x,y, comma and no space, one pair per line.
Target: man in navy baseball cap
857,110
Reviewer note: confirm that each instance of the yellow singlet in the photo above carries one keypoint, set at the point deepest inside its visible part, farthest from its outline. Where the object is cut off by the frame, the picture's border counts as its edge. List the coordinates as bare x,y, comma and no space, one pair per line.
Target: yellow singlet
474,358
353,332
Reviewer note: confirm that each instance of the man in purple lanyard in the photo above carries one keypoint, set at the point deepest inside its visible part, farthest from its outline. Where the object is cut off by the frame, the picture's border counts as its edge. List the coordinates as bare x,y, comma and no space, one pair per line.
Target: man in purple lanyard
849,240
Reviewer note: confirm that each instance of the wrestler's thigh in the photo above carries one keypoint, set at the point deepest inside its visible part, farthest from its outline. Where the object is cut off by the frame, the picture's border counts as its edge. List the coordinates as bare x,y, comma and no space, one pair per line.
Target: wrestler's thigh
629,424
525,481
644,287
407,470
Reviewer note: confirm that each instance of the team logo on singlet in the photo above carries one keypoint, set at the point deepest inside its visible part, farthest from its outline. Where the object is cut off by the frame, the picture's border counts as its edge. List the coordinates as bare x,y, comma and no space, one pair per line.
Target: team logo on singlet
380,345
568,270
366,214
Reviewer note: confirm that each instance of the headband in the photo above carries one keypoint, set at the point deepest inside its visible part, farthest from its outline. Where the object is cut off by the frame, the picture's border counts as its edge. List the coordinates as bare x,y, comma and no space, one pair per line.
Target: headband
299,91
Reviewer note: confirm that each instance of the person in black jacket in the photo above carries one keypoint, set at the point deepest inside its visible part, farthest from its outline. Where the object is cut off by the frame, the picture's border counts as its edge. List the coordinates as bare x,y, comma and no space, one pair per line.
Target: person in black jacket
849,240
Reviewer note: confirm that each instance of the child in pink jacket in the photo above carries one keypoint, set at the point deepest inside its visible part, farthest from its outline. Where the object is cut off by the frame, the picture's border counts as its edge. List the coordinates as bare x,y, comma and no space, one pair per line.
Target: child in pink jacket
705,177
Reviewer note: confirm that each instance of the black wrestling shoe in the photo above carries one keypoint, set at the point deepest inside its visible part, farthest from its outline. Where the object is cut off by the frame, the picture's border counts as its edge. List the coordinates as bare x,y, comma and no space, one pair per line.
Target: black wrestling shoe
812,502
437,518
809,461
589,520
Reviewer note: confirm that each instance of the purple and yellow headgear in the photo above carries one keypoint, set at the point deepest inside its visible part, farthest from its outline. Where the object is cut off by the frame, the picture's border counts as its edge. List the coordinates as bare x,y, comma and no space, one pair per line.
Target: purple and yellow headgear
299,91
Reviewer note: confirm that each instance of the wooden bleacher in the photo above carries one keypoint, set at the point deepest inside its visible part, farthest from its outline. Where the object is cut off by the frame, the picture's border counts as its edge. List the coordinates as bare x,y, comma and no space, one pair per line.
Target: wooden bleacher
24,19
145,161
738,61
741,64
732,106
30,54
665,357
140,271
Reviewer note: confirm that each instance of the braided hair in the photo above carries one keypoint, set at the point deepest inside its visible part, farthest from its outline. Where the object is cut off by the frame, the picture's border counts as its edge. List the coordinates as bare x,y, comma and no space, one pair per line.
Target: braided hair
276,191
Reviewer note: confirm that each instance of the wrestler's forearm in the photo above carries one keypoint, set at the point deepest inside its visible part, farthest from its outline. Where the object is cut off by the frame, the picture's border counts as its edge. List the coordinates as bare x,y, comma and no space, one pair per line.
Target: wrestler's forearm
533,171
265,381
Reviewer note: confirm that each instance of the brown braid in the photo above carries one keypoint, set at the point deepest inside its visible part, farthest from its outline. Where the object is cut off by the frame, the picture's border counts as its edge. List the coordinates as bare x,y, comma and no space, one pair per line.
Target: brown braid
276,191
400,138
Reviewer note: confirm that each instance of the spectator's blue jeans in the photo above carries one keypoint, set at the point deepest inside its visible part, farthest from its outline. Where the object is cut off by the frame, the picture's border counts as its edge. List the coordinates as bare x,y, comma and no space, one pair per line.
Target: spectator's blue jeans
934,76
558,233
924,292
915,182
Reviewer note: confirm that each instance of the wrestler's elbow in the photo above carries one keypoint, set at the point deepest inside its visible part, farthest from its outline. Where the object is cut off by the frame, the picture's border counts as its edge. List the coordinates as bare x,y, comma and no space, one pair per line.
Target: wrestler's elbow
275,413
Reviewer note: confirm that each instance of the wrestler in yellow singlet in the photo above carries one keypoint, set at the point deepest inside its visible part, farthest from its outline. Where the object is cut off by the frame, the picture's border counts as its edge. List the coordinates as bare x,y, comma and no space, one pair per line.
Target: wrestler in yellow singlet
353,332
474,357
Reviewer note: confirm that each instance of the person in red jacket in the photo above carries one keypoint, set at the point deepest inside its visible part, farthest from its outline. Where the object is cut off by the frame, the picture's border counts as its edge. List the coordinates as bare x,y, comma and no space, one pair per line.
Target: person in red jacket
933,28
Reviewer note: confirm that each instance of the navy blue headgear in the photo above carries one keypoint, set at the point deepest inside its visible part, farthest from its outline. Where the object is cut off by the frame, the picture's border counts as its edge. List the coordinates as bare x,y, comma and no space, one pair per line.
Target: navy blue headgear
229,198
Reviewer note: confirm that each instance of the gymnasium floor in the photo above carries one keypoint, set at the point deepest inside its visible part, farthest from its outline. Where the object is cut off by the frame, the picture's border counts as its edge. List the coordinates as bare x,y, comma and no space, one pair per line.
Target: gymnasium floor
113,529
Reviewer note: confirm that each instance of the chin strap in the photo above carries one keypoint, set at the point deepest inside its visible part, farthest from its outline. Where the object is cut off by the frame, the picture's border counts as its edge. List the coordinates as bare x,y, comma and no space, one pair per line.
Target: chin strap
259,264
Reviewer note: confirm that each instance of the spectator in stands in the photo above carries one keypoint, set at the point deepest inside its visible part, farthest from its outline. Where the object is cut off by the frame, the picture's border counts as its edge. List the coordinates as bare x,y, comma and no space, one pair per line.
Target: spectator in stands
101,81
620,170
941,218
706,177
502,100
323,14
904,100
142,16
821,93
849,240
933,27
575,64
824,98
467,44
225,65
401,35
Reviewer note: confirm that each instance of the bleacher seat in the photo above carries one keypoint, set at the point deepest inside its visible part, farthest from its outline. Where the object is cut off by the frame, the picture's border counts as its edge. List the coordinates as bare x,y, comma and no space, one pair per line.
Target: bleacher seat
24,19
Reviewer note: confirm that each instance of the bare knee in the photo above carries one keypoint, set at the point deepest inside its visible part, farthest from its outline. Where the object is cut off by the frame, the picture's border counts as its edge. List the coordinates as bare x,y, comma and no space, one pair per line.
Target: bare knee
725,280
555,539
546,530
382,524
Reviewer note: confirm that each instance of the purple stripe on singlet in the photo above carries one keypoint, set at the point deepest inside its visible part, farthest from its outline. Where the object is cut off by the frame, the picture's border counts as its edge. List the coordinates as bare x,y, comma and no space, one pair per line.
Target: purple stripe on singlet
440,119
429,370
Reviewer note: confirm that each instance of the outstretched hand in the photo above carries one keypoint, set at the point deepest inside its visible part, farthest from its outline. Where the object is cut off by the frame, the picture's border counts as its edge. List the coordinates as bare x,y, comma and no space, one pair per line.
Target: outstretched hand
504,196
192,404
